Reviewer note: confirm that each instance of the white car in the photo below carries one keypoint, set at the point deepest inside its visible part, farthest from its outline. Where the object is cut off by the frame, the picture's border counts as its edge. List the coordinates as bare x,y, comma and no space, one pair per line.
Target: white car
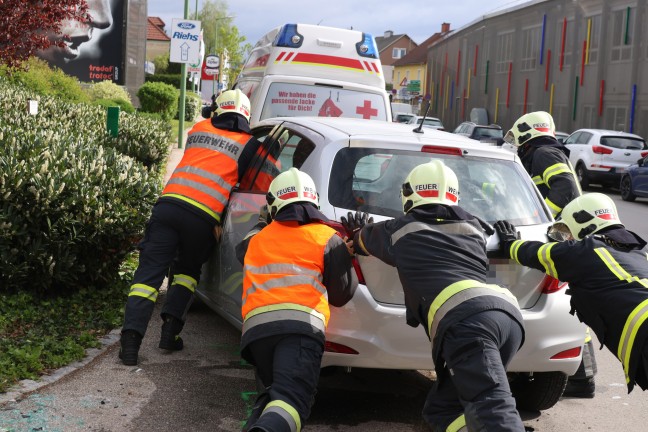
430,122
602,156
360,165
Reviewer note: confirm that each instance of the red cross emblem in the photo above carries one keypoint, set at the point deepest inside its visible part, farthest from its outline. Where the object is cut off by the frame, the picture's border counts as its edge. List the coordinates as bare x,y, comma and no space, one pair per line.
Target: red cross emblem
366,111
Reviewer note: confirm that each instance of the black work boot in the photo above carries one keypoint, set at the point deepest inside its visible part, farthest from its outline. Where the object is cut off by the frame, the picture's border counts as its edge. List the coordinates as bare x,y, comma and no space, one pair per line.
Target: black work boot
580,388
170,339
130,344
259,405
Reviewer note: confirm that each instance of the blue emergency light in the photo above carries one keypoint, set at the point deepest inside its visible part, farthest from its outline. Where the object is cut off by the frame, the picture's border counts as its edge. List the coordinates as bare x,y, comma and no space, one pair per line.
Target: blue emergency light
288,37
367,46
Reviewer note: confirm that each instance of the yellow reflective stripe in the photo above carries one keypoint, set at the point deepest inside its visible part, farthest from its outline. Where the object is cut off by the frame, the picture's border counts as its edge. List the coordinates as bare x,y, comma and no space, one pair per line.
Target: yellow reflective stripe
612,264
289,414
515,247
141,290
559,168
544,256
361,244
634,322
284,306
202,207
553,207
458,425
588,335
537,180
456,288
186,281
578,186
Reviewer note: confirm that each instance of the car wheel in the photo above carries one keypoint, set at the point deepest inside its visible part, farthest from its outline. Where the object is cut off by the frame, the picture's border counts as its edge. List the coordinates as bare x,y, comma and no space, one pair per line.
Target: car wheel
539,391
583,176
626,189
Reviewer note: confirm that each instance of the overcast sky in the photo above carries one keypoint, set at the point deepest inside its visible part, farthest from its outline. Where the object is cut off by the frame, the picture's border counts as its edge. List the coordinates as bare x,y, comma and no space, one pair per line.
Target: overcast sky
419,19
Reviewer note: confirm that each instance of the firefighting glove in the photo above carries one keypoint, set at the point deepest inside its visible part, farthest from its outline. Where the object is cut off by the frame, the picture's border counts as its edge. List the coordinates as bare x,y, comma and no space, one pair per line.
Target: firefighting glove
264,215
354,222
507,234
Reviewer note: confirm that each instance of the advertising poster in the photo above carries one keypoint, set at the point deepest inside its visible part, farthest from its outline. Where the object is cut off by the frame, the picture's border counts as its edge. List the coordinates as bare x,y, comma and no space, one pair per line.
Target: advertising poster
94,49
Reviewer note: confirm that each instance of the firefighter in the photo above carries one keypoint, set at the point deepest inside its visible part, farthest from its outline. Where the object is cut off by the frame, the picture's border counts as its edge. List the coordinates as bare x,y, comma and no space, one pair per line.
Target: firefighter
547,162
286,295
475,328
185,222
607,270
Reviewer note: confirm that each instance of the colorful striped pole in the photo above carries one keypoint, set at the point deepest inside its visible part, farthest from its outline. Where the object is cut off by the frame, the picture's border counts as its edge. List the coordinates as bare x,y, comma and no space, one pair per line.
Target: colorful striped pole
589,39
632,107
508,90
496,103
526,95
575,99
547,70
468,83
562,44
551,95
582,78
601,93
542,38
486,80
475,61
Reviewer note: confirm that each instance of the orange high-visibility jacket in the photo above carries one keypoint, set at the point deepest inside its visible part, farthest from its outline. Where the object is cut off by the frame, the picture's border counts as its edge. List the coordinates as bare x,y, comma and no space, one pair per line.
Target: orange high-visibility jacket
209,168
285,283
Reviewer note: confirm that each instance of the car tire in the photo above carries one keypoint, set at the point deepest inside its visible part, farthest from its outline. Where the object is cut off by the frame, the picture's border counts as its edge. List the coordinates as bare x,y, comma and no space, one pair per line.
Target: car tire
539,391
583,176
626,189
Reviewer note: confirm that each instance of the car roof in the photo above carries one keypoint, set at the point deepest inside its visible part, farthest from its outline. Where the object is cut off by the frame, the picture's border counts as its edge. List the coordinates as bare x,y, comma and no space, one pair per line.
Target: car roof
381,133
608,132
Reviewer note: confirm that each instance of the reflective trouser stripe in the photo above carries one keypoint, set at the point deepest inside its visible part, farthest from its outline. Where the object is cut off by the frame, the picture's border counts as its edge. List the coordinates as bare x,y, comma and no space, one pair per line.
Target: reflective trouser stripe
457,293
635,320
186,281
544,256
283,311
458,425
145,291
195,203
287,412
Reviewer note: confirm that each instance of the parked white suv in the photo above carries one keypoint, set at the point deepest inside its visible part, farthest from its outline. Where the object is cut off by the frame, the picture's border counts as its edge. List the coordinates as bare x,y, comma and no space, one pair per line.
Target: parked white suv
360,165
602,156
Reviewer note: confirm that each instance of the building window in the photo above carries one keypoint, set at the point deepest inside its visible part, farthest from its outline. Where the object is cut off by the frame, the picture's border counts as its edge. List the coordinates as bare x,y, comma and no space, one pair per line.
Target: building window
589,116
595,39
398,52
615,118
622,28
530,48
504,51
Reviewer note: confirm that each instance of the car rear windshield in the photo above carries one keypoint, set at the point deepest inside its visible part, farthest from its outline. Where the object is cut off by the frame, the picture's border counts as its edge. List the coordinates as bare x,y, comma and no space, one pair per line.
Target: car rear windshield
369,180
624,143
489,133
430,122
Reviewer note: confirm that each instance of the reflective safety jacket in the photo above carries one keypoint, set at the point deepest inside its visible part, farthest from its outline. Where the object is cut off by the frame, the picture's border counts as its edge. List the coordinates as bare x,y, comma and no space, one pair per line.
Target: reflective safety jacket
609,292
548,164
291,273
208,170
440,255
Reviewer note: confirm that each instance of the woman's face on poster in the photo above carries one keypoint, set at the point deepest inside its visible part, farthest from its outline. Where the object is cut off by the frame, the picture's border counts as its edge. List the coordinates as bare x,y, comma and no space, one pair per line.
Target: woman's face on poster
79,37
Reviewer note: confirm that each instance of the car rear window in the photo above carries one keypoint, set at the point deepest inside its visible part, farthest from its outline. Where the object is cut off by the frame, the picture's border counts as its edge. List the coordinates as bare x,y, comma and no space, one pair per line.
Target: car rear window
430,122
489,133
370,180
624,143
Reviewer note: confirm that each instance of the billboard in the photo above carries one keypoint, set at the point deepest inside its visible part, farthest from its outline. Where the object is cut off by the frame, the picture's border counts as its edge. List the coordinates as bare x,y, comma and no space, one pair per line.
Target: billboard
93,50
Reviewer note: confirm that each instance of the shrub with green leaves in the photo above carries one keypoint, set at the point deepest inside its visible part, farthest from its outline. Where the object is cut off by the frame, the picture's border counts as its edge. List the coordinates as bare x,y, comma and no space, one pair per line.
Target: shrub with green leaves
107,90
159,98
123,105
193,106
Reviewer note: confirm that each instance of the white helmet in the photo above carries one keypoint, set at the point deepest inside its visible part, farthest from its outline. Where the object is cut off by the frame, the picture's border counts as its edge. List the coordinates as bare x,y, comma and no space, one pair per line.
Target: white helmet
588,214
233,101
430,183
529,126
289,187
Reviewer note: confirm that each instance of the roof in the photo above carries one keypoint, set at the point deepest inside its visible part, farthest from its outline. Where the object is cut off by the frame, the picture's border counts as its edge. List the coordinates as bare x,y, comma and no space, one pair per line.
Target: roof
382,42
419,54
155,30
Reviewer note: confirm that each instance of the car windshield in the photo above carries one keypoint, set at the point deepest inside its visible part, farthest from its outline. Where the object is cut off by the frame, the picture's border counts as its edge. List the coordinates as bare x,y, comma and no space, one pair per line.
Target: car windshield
430,122
493,189
624,143
489,133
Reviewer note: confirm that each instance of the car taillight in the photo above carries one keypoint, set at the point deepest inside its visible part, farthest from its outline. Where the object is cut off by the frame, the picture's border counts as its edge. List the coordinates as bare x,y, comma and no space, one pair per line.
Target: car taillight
338,348
644,154
442,150
570,353
343,233
601,150
550,285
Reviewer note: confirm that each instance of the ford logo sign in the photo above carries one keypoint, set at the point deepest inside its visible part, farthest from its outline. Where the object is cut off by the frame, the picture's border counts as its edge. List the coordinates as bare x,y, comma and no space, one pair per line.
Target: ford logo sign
186,25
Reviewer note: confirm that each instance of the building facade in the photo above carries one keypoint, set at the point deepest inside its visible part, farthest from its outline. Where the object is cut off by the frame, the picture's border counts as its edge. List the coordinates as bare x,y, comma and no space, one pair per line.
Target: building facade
584,61
392,47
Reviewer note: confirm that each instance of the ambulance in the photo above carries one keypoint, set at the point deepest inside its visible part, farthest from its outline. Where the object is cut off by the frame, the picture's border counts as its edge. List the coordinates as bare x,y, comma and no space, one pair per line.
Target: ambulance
310,70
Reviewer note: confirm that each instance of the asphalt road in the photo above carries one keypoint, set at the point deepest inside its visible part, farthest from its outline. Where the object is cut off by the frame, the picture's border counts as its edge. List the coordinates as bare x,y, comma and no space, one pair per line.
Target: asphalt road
206,387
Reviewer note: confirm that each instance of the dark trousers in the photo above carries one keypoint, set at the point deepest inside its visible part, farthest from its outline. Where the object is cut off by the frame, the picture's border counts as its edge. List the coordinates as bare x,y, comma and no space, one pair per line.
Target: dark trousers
288,366
172,232
476,352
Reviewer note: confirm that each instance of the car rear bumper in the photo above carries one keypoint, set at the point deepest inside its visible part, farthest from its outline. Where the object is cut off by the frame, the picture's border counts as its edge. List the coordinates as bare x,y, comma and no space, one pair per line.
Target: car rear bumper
383,340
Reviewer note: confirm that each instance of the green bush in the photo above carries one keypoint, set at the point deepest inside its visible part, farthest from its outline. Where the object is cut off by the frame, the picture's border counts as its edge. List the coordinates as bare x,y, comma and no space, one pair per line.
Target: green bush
124,105
171,79
107,90
159,98
193,106
43,80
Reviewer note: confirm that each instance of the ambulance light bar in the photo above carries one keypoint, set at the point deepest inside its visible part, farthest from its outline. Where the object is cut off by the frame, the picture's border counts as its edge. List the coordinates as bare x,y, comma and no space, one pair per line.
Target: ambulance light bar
367,47
288,37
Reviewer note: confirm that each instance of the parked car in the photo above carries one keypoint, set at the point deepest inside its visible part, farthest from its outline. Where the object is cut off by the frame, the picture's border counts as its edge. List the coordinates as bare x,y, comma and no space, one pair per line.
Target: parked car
359,165
634,182
483,133
402,117
602,156
430,122
561,136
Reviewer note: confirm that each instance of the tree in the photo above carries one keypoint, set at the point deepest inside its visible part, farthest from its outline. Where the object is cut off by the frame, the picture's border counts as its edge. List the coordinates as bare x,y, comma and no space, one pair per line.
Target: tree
26,26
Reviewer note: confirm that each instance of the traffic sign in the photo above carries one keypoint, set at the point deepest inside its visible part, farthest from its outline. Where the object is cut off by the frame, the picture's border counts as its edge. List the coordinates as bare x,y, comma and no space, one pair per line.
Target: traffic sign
185,41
